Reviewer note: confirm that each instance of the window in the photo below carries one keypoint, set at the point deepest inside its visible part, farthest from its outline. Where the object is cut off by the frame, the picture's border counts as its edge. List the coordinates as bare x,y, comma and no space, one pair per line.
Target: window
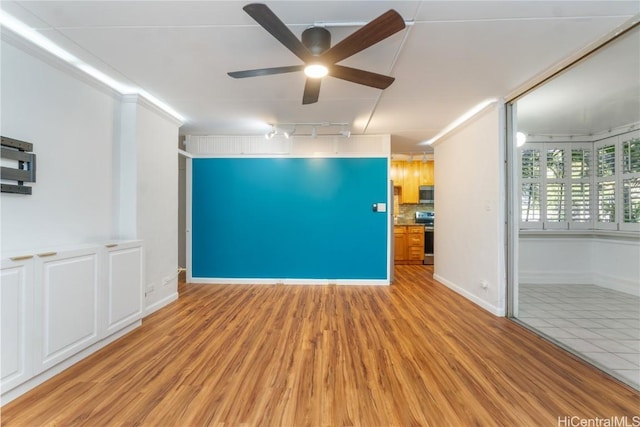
530,167
580,202
555,187
631,181
607,201
531,202
581,185
631,199
607,161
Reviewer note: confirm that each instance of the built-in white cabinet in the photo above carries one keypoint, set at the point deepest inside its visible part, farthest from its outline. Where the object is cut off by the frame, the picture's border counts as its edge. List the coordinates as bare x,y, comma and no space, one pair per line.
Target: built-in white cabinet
17,324
124,290
57,303
67,286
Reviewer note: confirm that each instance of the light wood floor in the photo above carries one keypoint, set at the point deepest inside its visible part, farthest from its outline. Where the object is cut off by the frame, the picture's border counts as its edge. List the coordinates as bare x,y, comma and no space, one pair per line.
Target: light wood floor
413,354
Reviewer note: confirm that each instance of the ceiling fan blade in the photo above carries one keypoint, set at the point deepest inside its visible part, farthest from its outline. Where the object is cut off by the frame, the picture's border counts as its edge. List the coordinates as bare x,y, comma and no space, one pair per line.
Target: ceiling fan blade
270,22
311,91
377,30
362,77
265,71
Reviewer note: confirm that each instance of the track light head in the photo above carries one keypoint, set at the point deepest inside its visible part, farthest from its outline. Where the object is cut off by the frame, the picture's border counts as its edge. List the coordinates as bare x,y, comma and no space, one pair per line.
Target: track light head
271,133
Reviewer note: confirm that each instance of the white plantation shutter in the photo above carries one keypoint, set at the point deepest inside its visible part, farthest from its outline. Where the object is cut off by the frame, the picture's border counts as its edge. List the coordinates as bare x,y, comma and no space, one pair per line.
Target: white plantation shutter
555,187
581,185
631,181
530,206
555,202
580,202
607,160
606,184
530,209
606,201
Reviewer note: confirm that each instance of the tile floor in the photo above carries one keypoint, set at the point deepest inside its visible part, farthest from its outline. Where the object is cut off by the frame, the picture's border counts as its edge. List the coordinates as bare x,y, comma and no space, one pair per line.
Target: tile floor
597,324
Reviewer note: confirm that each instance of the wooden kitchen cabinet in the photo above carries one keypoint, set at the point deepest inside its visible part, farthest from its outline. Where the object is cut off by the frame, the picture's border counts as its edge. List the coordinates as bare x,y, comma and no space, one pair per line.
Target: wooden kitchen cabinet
409,244
400,244
411,182
409,176
427,176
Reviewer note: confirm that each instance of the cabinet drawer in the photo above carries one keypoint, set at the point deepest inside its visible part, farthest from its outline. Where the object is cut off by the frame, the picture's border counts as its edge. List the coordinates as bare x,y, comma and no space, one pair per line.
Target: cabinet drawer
417,229
416,253
415,240
399,229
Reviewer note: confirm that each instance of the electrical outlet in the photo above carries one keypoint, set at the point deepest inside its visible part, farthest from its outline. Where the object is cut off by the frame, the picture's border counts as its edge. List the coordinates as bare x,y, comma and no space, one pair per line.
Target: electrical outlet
484,284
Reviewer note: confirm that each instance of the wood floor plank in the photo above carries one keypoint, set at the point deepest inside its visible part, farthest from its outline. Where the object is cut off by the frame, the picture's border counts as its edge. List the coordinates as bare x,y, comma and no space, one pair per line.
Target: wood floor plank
413,354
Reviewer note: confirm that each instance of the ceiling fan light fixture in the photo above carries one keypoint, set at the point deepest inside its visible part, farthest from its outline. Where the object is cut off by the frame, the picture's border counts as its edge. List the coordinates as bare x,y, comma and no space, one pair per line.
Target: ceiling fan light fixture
316,71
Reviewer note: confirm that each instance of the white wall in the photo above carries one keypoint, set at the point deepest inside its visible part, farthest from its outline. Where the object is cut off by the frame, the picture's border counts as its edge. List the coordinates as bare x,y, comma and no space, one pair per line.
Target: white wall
469,208
71,126
588,258
157,208
106,165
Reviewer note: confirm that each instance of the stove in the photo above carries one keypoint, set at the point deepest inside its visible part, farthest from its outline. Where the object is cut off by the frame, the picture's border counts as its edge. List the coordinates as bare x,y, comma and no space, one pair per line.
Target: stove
425,217
428,219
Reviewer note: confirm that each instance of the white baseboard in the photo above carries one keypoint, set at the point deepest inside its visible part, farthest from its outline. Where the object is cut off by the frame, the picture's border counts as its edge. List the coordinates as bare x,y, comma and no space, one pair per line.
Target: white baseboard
235,281
573,278
617,284
496,311
159,304
555,278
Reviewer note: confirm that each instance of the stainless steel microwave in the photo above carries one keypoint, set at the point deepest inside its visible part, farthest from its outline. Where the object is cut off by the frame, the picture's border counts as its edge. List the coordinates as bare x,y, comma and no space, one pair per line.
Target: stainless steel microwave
426,194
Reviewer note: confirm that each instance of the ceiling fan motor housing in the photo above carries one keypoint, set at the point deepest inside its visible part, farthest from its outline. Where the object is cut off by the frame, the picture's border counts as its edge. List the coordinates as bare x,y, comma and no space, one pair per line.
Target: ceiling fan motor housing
316,39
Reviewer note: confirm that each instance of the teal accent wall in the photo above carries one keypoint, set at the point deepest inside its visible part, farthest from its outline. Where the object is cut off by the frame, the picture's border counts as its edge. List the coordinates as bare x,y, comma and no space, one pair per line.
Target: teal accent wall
281,218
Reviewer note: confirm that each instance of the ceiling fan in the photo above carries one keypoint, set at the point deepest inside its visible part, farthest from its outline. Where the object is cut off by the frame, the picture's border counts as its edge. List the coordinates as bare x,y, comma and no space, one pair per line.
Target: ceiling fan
319,57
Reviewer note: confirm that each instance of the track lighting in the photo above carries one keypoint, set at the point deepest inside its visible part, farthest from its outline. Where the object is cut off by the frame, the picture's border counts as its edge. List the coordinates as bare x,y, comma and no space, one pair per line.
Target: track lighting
313,130
271,133
289,133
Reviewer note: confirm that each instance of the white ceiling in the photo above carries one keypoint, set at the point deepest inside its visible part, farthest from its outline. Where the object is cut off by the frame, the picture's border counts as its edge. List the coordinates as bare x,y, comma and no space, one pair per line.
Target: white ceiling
601,92
452,56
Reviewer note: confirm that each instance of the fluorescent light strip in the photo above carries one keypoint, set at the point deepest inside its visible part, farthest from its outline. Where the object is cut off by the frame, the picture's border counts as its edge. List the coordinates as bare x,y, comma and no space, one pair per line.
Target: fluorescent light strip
41,41
102,77
34,37
460,120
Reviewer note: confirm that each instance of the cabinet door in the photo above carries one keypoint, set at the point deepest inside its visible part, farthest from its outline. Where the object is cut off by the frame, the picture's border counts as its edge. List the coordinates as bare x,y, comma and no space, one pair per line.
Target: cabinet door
125,292
66,298
400,246
17,321
397,172
427,173
410,193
